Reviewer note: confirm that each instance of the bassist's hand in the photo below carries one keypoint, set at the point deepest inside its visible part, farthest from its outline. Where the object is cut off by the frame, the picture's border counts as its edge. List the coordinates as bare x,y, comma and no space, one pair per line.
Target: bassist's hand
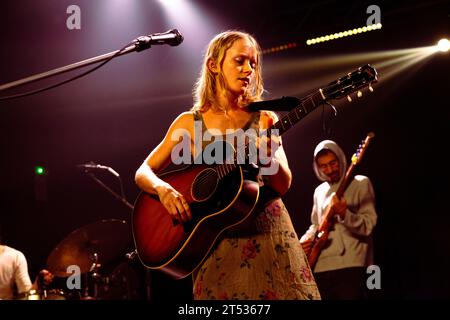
306,245
174,202
339,206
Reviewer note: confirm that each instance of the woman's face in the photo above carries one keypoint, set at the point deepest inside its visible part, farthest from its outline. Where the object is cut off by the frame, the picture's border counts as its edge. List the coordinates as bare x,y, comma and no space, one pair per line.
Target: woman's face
239,66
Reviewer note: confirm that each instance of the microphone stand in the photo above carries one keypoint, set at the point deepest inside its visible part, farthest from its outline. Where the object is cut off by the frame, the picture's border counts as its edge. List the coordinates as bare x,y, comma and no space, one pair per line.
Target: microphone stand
138,44
115,194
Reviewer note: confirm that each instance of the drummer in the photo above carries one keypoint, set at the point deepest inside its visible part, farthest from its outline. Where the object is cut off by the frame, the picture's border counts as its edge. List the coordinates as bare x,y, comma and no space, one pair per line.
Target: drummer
14,272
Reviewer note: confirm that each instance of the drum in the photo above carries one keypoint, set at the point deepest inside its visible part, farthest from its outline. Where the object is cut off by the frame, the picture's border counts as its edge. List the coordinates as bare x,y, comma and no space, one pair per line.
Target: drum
53,294
29,295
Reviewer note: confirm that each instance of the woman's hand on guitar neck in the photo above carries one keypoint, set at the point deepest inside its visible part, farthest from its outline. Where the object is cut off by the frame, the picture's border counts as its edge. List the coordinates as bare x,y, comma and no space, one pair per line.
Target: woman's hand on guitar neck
267,146
174,202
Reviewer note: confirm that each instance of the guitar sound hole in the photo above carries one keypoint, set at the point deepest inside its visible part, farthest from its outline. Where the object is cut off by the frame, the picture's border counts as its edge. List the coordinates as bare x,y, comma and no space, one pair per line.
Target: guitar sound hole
205,184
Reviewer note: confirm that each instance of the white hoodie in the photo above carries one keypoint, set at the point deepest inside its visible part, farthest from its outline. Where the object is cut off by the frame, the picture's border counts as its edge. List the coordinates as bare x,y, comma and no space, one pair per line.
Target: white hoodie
350,242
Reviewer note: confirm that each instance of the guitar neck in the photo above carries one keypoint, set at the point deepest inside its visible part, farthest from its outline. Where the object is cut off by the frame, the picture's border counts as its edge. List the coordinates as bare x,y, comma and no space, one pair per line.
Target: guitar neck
355,160
346,181
305,106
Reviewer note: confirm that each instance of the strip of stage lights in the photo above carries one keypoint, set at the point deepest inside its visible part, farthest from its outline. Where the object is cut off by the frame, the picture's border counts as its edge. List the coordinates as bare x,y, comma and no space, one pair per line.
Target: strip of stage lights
324,38
343,34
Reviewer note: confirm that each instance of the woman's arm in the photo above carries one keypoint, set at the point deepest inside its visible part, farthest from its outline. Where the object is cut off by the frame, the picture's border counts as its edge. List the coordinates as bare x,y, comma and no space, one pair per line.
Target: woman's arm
158,159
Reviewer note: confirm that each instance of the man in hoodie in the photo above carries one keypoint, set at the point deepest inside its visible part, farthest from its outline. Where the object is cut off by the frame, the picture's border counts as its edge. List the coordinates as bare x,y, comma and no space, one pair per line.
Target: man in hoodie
340,271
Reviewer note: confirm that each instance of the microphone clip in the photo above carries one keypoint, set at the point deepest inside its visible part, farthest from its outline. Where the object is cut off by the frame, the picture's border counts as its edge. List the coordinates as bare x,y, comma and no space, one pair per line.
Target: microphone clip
91,166
142,43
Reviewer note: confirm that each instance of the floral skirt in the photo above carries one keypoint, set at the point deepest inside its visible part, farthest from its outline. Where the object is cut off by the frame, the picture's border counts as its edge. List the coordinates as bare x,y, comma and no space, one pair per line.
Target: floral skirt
269,264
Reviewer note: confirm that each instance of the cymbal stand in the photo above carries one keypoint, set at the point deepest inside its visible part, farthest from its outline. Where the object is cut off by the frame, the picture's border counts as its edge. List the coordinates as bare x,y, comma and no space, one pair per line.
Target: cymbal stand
95,276
148,276
42,287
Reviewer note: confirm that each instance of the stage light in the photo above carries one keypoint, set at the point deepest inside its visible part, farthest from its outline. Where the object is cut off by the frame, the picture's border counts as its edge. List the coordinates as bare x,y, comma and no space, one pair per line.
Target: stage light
39,170
443,45
195,22
345,33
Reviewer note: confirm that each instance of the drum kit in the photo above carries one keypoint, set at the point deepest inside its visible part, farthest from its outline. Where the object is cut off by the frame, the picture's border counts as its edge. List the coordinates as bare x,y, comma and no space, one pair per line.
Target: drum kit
95,262
92,263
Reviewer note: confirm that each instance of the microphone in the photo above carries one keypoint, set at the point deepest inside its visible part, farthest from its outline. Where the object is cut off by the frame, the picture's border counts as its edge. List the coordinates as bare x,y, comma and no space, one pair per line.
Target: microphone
172,37
281,104
92,166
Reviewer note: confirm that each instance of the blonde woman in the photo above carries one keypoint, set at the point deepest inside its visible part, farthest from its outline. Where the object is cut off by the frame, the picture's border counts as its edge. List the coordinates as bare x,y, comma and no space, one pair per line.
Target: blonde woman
264,260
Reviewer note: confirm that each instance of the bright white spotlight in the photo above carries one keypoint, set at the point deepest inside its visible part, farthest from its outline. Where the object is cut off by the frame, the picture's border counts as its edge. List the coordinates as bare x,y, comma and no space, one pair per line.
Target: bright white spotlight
443,45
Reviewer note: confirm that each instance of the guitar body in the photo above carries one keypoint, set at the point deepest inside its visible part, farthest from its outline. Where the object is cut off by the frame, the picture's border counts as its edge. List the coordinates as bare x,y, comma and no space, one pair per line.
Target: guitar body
321,238
216,205
319,244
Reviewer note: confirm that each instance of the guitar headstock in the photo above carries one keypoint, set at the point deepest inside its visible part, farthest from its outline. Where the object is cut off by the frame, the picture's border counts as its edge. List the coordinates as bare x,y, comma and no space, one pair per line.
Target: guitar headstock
360,78
357,156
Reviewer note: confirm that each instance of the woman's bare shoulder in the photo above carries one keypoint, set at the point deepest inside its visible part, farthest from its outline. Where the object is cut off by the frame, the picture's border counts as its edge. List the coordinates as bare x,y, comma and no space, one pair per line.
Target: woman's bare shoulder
183,120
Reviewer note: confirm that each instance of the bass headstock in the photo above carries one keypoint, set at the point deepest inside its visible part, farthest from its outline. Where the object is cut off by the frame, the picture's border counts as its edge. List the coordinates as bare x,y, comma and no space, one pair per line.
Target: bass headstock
357,156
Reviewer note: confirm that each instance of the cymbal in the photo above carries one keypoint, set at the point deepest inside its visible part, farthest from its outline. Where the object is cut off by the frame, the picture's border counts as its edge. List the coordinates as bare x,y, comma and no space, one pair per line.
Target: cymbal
109,239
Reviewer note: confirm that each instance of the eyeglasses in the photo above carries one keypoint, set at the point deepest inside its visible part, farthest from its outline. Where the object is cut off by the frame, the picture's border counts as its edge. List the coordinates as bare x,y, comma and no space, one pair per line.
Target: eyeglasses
332,165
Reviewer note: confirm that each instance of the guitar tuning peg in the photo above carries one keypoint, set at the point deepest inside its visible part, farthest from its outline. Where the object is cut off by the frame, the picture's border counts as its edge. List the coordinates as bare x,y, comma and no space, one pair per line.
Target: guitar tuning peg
359,94
349,99
370,88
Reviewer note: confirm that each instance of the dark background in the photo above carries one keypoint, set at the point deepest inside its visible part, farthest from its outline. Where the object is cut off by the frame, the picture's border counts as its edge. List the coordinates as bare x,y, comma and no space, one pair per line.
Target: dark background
116,116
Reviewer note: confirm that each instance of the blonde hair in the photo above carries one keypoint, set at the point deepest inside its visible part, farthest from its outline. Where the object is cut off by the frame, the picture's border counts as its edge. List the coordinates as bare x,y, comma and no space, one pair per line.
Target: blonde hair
205,87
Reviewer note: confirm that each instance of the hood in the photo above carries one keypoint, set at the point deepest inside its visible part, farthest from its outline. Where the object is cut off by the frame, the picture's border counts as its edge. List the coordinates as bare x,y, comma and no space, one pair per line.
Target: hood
332,146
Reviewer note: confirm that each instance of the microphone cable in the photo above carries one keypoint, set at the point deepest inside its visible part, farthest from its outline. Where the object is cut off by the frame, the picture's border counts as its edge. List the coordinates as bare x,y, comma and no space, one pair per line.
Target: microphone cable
29,93
139,44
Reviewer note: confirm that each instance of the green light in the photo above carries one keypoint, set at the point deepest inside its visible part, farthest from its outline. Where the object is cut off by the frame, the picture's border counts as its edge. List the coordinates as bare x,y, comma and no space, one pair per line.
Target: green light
39,170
